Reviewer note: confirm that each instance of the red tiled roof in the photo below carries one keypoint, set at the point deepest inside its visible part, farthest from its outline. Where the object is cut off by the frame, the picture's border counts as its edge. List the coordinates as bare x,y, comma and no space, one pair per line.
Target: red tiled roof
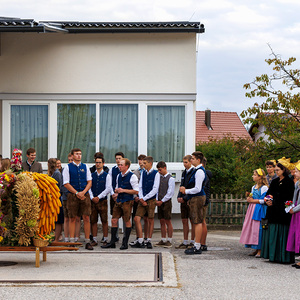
222,123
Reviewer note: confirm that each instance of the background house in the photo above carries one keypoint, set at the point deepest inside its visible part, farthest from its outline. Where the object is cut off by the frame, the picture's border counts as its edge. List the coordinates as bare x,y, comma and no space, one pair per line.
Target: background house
217,124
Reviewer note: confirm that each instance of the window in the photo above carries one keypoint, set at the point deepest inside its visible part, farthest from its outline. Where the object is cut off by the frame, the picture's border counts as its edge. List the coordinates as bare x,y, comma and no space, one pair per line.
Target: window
29,129
166,128
76,128
157,127
119,130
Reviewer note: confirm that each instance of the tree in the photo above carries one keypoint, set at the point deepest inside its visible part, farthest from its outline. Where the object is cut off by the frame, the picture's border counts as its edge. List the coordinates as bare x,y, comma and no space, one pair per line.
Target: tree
280,111
232,163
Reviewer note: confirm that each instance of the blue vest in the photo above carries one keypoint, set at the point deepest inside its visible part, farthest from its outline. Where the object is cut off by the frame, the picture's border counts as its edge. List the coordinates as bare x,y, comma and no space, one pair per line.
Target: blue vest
192,183
148,182
124,183
98,184
78,176
114,173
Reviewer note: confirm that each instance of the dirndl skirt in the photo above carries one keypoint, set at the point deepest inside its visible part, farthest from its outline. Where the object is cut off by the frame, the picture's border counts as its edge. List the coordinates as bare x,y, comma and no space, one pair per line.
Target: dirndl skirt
293,242
274,243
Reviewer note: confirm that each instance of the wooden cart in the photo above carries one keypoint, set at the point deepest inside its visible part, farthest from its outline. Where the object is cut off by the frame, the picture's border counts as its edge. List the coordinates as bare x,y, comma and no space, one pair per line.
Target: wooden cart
55,246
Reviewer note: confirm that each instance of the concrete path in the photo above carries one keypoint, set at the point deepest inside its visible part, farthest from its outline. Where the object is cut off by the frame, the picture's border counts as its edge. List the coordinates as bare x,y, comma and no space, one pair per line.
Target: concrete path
224,272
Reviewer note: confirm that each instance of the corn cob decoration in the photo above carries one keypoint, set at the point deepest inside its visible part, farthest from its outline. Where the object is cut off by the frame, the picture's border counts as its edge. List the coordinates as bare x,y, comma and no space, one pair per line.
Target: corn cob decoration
49,202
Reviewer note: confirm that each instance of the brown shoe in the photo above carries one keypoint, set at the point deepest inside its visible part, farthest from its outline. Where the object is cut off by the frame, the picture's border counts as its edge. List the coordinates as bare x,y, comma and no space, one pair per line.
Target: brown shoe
94,243
88,246
104,243
167,244
160,244
181,246
253,253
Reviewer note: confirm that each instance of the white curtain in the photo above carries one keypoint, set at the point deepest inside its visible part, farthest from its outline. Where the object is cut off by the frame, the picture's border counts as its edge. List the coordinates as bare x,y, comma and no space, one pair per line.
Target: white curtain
119,131
166,133
76,129
29,129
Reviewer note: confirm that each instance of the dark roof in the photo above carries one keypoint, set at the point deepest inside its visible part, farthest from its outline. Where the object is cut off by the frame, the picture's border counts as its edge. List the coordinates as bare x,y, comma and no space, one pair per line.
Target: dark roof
25,25
19,25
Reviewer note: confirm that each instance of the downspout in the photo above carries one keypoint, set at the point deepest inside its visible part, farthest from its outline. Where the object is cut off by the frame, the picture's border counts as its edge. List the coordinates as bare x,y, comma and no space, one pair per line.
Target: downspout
53,28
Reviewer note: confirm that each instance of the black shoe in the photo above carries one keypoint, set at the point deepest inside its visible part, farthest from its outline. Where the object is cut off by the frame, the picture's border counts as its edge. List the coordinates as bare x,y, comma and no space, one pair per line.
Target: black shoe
138,245
294,265
124,247
297,267
149,245
193,250
203,247
88,246
109,245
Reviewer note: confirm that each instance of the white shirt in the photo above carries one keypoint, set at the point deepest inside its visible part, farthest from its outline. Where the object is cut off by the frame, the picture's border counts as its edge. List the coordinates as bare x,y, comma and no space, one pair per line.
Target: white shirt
110,173
190,169
107,187
171,190
155,187
199,178
66,173
133,181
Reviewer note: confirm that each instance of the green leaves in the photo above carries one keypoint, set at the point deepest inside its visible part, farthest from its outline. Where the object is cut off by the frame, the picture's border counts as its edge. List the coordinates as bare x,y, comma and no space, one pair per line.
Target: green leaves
280,111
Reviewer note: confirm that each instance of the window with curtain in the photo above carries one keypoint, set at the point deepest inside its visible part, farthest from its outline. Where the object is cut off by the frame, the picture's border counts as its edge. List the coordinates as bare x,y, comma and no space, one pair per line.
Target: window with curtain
119,131
166,133
76,129
29,129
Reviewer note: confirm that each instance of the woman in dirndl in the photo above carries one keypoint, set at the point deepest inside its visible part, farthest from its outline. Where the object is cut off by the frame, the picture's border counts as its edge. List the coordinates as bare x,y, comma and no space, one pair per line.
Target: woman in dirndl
274,238
293,243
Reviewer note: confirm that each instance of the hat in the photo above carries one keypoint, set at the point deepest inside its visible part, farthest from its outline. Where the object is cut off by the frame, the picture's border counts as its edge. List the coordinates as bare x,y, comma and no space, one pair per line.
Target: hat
259,172
285,162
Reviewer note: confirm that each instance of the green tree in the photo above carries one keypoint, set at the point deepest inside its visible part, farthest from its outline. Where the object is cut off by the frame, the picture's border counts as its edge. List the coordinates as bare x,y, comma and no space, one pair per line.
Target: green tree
279,112
232,163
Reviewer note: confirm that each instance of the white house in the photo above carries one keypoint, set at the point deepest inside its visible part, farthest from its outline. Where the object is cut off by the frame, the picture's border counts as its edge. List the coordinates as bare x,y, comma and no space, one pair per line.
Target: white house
106,87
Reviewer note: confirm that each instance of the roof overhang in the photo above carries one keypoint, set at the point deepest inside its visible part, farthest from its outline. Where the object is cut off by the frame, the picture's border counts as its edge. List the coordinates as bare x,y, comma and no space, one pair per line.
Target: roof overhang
29,25
19,25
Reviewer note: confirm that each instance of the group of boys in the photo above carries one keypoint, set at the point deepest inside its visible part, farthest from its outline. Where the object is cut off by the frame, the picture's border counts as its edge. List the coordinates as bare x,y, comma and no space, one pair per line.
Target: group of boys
134,194
148,188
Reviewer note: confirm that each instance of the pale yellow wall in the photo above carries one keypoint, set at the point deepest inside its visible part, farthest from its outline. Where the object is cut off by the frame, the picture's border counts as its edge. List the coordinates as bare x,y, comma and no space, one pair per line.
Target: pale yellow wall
98,63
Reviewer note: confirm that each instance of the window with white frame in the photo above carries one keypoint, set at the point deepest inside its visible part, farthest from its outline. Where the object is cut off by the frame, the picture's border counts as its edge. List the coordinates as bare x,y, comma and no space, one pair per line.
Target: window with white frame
29,129
76,128
166,133
135,127
119,130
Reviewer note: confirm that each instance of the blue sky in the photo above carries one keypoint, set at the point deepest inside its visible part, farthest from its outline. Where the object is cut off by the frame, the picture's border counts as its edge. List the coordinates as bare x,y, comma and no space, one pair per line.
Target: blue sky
230,53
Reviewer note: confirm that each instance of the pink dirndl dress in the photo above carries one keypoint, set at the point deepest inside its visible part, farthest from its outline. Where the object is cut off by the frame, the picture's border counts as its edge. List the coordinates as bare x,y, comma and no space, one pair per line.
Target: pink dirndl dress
293,242
250,231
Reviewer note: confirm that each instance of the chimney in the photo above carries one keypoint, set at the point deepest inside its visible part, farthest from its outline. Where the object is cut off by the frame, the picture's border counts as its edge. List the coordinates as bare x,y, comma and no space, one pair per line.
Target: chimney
208,119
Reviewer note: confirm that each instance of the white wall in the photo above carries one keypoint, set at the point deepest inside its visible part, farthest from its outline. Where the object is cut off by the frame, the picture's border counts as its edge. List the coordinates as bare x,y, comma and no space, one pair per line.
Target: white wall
98,63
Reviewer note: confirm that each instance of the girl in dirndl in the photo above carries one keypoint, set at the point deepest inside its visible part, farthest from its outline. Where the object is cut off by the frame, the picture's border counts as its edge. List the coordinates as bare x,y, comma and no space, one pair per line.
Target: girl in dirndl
251,234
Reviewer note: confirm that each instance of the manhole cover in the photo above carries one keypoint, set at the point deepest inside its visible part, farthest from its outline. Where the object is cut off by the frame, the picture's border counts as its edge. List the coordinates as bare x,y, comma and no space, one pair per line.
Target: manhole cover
7,263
